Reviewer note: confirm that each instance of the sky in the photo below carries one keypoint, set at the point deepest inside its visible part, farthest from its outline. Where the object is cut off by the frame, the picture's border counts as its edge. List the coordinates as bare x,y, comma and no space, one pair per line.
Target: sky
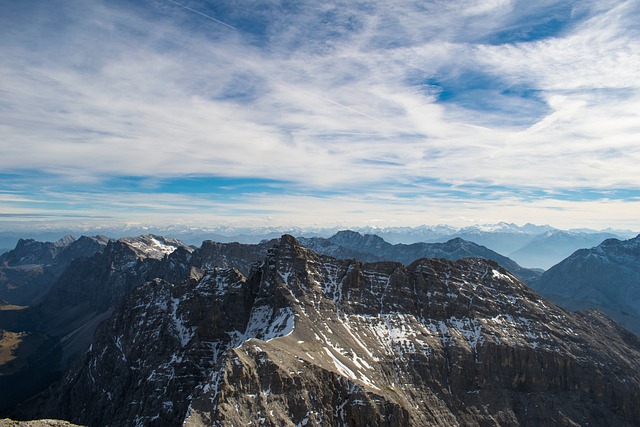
283,112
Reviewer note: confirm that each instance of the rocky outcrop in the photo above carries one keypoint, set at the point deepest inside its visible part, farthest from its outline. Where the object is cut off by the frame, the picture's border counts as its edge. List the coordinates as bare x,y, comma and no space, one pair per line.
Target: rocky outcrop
605,277
311,340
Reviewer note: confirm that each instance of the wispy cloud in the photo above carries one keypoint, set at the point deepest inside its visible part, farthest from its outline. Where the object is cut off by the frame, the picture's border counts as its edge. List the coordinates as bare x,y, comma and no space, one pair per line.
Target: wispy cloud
352,107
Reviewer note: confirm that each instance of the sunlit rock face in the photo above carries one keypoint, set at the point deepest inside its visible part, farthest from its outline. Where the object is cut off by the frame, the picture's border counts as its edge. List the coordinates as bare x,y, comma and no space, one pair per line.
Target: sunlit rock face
309,340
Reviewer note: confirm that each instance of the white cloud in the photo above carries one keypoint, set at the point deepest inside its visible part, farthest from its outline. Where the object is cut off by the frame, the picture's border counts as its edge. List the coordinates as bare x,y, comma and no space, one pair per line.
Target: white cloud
600,53
116,93
589,80
340,210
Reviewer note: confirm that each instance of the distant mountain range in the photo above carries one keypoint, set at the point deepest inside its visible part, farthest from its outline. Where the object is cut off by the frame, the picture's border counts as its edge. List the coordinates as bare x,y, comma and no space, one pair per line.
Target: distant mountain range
527,244
548,248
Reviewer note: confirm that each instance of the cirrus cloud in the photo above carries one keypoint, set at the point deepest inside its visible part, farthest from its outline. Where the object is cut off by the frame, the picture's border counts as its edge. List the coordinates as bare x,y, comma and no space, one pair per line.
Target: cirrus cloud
401,106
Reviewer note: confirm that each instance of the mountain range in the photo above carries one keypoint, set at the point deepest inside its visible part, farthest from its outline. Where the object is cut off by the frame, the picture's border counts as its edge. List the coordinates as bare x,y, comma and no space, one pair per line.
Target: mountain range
605,277
28,271
525,244
312,340
45,338
150,331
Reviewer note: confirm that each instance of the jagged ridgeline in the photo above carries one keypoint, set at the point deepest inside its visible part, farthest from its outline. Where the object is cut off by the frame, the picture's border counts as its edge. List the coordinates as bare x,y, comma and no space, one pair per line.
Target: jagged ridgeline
309,340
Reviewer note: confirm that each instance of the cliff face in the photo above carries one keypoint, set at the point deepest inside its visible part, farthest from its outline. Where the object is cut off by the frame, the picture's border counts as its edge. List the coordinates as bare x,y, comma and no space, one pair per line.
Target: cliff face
310,340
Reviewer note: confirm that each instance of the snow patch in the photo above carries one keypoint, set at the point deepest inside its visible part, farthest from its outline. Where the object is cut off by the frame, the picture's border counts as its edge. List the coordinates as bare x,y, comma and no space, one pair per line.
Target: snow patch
183,332
165,249
265,324
341,367
497,275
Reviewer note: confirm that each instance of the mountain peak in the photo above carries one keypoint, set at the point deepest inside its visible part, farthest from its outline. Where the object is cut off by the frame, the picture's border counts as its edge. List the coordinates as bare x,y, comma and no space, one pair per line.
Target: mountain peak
288,247
152,246
348,233
353,238
65,241
287,240
458,241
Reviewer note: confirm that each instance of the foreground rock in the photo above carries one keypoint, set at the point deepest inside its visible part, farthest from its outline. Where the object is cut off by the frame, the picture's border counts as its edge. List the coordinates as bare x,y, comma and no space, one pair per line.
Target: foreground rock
36,423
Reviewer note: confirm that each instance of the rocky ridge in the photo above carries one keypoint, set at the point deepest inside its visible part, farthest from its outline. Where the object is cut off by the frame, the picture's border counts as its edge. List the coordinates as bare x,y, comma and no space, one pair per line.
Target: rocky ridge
309,340
369,248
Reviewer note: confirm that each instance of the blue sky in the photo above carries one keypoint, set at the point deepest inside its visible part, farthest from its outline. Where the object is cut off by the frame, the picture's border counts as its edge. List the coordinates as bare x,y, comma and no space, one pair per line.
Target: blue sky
328,113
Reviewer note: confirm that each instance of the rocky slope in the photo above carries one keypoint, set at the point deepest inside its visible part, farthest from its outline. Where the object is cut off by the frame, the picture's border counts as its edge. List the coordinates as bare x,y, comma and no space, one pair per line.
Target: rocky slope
309,340
606,277
368,248
54,332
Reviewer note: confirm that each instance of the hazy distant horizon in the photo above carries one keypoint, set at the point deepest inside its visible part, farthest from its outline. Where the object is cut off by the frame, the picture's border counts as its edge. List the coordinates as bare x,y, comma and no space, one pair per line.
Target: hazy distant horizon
231,229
